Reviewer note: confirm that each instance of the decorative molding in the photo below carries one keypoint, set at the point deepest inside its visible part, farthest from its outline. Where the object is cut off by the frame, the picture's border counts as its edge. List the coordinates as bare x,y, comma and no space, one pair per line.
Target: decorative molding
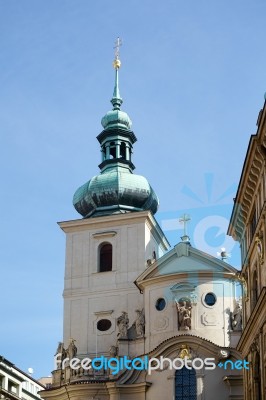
209,319
104,234
97,313
245,199
161,323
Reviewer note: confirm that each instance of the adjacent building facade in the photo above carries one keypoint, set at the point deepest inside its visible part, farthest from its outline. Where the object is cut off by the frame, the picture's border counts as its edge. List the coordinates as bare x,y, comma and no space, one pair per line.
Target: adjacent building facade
128,297
16,384
248,227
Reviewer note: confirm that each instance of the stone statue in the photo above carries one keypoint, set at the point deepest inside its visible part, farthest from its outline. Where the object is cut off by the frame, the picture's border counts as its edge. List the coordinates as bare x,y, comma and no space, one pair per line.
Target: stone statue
113,351
62,352
184,315
72,349
236,318
122,323
140,323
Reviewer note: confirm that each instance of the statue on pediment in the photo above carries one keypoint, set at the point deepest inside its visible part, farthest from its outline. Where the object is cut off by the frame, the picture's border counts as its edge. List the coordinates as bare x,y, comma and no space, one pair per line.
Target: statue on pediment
60,351
72,349
184,314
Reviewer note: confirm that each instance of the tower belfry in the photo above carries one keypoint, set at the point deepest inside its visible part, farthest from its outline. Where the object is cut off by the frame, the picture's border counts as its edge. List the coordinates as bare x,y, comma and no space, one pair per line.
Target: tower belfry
116,189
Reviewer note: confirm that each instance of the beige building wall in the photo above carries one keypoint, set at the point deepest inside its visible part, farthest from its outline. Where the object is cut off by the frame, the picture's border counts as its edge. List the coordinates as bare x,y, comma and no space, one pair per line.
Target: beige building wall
90,295
248,227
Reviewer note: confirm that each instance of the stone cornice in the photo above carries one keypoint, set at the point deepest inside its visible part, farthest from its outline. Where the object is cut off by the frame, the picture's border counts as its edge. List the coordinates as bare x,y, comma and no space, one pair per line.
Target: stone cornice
104,222
154,273
244,201
108,224
184,276
251,172
87,390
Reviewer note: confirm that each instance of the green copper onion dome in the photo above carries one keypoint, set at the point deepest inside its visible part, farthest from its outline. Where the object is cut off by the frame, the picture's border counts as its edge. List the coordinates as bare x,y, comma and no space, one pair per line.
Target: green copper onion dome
116,189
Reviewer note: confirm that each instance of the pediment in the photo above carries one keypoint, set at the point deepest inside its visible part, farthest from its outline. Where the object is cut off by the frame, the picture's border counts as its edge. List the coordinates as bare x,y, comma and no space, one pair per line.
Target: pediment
184,258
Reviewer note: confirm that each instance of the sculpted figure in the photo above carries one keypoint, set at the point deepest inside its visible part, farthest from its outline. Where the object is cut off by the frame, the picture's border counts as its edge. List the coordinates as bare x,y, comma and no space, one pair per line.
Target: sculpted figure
113,351
184,315
122,323
140,323
72,349
187,320
60,351
236,319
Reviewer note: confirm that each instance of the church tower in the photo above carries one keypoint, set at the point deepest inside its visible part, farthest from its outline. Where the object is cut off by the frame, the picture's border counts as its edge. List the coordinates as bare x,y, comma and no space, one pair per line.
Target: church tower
112,244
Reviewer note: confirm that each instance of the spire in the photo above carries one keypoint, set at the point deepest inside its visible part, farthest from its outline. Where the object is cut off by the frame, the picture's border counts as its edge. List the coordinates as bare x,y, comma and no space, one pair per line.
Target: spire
116,189
116,99
116,118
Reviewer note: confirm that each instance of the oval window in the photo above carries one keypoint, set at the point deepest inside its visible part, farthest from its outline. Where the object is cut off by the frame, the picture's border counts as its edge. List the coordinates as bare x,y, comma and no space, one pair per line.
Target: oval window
104,325
160,304
210,299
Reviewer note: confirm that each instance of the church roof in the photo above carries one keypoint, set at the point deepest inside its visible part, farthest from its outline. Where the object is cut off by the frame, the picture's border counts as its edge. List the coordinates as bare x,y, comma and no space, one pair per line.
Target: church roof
185,259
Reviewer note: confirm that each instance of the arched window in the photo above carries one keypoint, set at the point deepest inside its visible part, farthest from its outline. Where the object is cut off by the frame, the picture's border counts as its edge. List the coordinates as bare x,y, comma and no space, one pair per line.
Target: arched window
123,150
105,257
185,384
112,150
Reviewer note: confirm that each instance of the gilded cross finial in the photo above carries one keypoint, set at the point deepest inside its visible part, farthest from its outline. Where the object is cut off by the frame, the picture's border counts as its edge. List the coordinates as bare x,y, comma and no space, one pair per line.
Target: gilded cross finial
118,44
117,62
185,218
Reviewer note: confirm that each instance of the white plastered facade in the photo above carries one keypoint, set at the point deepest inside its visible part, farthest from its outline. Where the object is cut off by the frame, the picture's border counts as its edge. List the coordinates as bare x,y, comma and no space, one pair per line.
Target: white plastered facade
136,282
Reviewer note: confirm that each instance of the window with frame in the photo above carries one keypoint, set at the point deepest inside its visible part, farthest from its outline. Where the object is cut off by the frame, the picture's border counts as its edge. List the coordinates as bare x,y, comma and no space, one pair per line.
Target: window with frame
185,384
253,224
105,257
12,387
254,290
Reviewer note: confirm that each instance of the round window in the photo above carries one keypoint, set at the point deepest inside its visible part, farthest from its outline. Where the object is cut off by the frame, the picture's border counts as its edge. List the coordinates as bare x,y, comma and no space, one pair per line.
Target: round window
104,325
210,299
160,304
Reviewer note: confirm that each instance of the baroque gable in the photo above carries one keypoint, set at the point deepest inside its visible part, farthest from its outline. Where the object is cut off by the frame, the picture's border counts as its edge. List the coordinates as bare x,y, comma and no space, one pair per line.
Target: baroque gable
185,259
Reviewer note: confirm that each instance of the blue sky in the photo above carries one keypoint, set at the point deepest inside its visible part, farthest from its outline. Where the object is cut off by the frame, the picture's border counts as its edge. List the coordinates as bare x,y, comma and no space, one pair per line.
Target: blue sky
192,81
